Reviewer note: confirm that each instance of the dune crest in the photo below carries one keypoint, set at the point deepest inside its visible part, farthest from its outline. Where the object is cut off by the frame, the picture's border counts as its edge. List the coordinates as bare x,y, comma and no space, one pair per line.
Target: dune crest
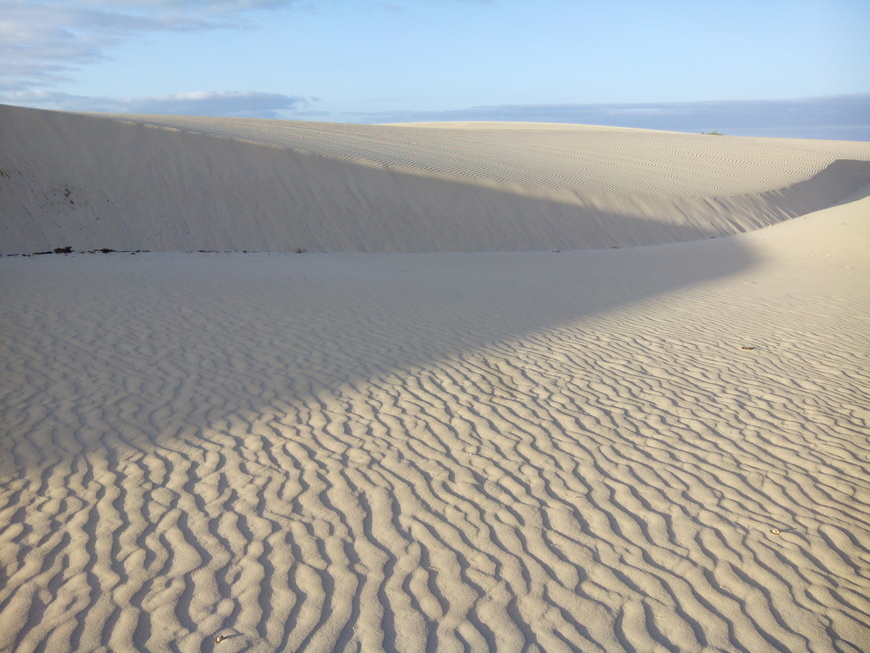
176,183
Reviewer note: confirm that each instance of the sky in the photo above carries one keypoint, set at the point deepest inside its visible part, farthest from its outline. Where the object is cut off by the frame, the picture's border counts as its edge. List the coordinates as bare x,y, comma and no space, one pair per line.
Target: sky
759,67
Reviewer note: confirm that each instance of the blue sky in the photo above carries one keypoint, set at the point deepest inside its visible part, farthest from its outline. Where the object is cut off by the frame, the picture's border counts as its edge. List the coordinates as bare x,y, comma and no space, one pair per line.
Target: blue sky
667,64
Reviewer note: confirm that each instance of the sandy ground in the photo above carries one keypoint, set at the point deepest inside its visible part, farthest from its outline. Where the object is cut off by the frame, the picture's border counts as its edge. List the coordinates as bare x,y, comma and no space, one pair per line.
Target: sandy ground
176,183
650,448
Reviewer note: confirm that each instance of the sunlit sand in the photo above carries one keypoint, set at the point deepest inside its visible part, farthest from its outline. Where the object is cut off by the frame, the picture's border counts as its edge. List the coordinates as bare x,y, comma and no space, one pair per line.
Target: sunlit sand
533,387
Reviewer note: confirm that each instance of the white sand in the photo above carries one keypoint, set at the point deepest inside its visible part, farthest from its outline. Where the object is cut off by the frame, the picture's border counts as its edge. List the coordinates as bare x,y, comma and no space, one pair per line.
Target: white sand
180,183
440,451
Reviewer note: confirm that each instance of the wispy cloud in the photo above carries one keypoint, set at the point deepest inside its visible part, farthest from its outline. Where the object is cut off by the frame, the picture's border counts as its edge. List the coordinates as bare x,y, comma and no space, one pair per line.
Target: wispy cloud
219,103
844,117
41,43
247,104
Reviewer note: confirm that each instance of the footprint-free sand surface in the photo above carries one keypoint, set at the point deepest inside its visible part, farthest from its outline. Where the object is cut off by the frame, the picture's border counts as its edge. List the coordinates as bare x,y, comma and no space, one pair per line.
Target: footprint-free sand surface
483,445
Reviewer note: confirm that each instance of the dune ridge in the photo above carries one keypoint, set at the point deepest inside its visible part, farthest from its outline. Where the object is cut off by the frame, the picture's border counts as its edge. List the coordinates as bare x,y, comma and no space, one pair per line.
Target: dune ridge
569,157
174,183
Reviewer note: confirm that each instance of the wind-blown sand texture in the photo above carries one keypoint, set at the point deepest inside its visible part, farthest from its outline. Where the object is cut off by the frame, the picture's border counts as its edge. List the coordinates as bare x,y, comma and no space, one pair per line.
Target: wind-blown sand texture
181,183
651,448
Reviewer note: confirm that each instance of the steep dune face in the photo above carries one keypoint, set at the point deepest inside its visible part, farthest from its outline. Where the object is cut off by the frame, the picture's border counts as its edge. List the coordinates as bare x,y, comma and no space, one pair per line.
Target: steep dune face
180,183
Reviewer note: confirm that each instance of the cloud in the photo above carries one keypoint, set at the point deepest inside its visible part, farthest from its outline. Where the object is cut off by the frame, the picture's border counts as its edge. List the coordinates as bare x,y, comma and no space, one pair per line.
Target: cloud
41,43
845,117
240,104
221,103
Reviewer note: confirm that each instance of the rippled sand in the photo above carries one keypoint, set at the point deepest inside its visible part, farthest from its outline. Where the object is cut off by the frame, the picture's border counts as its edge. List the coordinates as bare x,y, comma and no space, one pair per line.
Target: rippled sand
651,448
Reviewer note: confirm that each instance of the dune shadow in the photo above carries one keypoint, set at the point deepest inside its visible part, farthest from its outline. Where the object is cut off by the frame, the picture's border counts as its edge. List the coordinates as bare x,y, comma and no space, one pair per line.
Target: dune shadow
147,345
155,371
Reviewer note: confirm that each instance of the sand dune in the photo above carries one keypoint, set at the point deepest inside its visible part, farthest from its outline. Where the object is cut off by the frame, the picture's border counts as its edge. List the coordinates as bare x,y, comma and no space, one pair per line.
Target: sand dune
181,183
653,448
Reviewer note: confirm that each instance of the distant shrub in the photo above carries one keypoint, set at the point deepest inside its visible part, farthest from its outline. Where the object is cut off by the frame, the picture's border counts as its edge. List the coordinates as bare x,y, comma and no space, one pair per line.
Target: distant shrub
712,133
63,250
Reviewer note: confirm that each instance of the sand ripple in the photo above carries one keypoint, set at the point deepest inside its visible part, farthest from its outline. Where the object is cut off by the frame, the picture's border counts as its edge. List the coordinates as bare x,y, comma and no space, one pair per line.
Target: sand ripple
373,453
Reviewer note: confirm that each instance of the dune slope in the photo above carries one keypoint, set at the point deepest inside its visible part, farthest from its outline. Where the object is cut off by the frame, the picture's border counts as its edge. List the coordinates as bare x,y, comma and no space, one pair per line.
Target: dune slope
653,449
631,449
180,183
